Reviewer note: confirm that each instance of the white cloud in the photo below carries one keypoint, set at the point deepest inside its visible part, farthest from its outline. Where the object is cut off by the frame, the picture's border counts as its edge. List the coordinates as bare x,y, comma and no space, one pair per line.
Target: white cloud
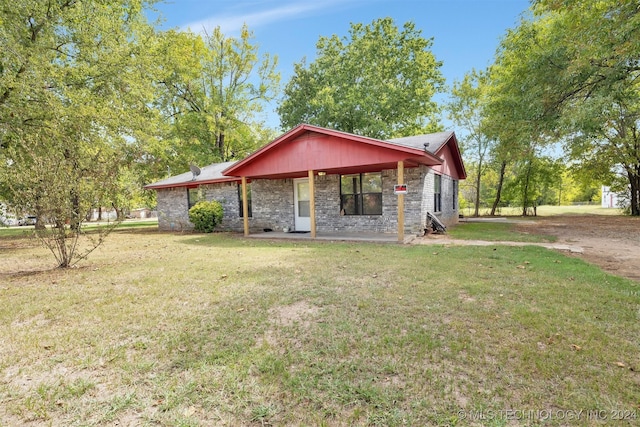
231,24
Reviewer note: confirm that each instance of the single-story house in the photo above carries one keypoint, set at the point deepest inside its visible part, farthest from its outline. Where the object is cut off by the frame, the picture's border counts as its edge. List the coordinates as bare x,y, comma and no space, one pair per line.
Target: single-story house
319,180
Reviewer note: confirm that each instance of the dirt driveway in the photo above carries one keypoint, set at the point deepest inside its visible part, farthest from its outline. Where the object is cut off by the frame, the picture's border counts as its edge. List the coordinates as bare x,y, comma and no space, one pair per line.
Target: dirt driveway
611,242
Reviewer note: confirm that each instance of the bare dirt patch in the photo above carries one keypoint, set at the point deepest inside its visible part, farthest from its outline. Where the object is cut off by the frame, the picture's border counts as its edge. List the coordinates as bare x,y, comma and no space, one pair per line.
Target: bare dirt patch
611,242
300,313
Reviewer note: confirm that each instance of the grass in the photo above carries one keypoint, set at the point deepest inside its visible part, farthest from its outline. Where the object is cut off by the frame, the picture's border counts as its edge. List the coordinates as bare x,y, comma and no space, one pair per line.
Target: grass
200,330
497,231
27,231
548,210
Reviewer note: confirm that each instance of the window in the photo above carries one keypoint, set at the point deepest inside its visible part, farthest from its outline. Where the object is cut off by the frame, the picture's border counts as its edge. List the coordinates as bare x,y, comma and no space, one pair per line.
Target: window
194,196
248,200
455,193
437,193
361,194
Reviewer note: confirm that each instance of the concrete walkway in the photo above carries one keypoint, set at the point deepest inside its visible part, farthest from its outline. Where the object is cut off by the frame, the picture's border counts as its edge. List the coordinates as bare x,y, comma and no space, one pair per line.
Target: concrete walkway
438,239
335,237
444,240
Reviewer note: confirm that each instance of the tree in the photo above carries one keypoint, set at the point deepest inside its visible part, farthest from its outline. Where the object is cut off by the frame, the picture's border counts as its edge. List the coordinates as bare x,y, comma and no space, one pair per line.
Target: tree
583,71
468,99
378,82
215,88
535,181
73,93
514,109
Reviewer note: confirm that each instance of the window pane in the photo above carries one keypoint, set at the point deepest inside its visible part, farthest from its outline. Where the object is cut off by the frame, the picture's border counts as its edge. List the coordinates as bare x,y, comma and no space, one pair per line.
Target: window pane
192,194
372,204
455,193
350,184
372,183
240,204
303,190
436,183
303,208
349,204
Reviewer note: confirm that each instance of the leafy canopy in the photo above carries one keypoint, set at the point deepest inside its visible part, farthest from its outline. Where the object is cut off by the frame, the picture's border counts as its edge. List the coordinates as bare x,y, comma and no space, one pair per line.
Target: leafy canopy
378,82
74,92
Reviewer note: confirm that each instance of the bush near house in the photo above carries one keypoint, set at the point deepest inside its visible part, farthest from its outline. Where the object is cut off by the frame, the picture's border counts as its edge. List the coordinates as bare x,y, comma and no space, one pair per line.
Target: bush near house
206,215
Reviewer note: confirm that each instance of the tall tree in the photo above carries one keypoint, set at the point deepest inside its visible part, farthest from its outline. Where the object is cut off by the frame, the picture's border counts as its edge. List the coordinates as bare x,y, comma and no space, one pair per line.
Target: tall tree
466,108
583,72
216,88
379,82
73,92
514,106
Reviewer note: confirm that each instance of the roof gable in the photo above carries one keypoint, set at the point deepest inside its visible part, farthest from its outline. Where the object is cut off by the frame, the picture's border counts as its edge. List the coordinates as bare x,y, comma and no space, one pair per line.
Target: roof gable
309,147
443,145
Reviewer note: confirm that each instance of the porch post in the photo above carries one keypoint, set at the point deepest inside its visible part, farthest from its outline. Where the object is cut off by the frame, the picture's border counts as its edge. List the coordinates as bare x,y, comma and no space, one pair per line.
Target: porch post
312,204
245,206
400,203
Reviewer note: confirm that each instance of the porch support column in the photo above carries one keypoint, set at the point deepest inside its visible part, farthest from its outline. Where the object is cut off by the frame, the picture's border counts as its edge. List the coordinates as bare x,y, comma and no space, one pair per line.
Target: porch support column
245,206
312,203
400,203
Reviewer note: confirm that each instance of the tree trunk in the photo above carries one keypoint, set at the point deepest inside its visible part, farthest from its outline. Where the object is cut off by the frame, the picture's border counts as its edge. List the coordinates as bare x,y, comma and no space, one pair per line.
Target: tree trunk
99,213
634,184
503,168
220,146
525,190
119,212
478,178
75,214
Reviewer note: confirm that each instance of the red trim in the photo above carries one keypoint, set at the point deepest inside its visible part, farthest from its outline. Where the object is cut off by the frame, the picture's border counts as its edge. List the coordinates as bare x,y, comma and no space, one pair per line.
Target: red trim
455,149
401,153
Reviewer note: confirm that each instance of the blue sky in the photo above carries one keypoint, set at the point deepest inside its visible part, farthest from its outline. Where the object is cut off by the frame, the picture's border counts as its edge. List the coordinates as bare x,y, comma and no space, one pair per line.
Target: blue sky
465,33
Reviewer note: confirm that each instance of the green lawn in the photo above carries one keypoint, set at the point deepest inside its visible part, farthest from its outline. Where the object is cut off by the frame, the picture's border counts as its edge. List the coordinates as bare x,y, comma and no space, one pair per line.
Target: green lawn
548,210
495,232
201,330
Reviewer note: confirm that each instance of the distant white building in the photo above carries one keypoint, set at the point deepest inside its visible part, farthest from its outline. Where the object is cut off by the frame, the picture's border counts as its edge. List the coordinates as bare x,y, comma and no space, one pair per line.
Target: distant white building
609,198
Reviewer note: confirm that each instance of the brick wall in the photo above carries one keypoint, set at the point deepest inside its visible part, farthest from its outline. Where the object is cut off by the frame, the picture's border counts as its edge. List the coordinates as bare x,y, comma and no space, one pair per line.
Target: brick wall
173,206
173,209
273,205
448,215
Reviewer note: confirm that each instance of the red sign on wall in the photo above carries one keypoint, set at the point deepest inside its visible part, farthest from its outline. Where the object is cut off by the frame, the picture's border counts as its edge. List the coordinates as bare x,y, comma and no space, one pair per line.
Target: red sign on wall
400,188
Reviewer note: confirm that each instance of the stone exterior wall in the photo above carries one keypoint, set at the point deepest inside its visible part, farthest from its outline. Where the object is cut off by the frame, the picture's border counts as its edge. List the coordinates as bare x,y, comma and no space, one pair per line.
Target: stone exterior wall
273,205
173,206
173,209
447,215
226,194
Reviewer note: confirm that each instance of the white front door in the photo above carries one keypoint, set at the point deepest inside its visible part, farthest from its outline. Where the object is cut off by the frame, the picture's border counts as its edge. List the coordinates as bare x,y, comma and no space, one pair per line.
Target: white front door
301,204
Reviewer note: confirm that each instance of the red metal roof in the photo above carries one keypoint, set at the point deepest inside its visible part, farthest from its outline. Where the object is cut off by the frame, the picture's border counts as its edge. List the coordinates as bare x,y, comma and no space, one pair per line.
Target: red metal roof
308,147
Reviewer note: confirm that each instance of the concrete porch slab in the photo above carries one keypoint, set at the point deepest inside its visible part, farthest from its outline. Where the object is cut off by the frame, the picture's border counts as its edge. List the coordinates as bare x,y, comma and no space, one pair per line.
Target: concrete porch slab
336,237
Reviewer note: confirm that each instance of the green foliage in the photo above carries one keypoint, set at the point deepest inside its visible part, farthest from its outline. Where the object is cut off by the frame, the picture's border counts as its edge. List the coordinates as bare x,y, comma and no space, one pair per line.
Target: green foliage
377,82
213,89
466,108
572,73
74,98
205,216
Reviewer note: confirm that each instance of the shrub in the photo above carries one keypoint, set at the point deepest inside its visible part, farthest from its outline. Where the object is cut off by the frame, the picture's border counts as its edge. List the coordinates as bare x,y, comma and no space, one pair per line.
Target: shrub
206,215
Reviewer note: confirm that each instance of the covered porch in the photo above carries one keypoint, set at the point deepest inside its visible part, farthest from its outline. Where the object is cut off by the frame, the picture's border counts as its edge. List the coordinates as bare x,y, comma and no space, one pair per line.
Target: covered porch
307,153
